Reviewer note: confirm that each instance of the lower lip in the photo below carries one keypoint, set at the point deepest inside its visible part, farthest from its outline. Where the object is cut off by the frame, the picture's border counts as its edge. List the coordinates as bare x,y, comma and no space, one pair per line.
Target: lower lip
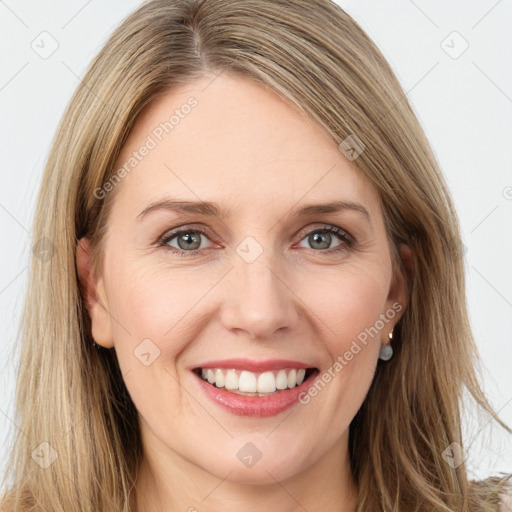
261,406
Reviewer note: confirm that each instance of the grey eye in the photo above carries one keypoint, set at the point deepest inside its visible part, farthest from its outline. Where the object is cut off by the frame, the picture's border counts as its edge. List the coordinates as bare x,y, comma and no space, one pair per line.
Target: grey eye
187,240
321,239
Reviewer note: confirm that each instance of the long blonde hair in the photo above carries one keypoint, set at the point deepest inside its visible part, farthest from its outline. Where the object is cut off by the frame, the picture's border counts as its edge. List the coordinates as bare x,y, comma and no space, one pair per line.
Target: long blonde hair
71,395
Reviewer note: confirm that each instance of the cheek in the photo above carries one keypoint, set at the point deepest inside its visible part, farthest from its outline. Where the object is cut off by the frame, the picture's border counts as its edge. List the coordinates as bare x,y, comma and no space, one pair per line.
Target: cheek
348,305
349,310
154,322
158,305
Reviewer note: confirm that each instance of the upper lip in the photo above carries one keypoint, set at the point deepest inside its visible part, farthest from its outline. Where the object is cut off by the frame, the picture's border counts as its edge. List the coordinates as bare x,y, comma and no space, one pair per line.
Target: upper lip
253,365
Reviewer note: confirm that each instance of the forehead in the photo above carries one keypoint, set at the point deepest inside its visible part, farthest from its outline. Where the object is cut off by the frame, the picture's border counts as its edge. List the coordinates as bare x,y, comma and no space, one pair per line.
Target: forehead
232,139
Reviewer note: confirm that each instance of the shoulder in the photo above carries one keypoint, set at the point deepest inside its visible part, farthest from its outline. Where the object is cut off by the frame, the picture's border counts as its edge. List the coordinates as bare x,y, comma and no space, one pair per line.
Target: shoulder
506,500
495,491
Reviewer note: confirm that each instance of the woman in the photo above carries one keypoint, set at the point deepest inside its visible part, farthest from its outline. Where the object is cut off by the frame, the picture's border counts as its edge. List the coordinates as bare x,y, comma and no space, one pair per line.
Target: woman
256,298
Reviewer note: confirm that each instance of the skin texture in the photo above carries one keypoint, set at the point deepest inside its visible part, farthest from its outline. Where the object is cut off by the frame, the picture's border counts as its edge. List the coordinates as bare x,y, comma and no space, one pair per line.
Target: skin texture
259,159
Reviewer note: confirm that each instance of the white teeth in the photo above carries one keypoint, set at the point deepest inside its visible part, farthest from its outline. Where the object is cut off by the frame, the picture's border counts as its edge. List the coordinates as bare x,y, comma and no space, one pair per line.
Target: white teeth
281,380
292,378
247,382
250,382
231,380
219,378
266,383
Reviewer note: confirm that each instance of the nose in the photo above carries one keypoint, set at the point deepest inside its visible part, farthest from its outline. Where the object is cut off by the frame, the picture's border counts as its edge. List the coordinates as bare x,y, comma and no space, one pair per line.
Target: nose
259,300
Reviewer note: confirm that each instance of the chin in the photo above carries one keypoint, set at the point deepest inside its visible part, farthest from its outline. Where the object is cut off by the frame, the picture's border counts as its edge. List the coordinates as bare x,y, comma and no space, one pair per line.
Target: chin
248,465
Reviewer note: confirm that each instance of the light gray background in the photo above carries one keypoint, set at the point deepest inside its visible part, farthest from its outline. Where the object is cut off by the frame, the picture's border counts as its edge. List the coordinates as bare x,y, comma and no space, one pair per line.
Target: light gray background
464,104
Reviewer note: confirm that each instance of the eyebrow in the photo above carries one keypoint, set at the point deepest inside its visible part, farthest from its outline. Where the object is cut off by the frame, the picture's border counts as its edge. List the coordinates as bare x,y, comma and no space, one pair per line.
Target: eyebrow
211,209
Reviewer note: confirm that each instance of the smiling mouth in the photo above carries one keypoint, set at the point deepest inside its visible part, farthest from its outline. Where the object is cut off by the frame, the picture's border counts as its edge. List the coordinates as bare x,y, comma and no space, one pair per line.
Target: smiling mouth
247,383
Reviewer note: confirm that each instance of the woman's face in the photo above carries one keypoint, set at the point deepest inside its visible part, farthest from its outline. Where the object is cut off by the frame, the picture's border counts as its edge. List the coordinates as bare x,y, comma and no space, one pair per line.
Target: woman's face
257,276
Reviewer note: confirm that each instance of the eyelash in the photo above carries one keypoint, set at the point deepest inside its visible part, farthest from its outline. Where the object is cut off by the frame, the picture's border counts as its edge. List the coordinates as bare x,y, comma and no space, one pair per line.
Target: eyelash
341,234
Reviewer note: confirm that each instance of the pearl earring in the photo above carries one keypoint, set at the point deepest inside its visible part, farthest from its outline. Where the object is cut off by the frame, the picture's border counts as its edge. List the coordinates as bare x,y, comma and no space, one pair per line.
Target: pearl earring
386,351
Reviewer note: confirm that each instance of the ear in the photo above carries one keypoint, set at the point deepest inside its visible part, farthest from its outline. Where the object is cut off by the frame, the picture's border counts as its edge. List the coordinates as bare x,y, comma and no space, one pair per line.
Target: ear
95,297
399,291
